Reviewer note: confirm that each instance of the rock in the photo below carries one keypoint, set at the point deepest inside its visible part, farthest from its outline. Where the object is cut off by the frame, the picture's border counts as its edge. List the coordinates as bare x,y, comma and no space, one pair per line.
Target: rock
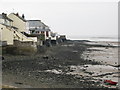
3,58
18,83
72,70
45,57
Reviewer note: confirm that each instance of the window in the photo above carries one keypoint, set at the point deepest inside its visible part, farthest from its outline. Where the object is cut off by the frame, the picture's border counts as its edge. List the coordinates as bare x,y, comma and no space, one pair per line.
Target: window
32,31
47,33
42,32
37,31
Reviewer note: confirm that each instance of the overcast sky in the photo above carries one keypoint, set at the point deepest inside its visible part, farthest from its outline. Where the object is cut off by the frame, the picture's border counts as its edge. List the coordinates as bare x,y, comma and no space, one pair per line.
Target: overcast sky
73,18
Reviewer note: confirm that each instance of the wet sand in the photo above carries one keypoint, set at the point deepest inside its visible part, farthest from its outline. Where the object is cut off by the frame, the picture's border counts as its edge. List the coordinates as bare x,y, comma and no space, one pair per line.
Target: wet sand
108,57
68,65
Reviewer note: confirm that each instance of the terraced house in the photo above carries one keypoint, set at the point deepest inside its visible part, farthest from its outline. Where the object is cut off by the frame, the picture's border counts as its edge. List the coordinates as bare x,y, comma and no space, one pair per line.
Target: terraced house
6,30
12,28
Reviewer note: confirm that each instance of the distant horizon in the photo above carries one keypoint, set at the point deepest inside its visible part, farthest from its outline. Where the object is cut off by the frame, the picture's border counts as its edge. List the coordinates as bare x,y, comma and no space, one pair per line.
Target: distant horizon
95,38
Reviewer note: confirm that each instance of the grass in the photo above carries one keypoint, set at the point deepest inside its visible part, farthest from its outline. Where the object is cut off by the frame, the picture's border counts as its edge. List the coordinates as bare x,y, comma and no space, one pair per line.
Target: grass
23,50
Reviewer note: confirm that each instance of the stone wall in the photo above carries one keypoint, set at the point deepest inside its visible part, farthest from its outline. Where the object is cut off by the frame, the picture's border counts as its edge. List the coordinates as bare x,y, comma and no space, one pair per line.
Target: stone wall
26,43
20,48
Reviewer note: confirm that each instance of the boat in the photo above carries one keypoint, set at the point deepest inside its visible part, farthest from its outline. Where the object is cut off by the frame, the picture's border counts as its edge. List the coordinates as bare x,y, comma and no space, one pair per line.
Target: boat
110,82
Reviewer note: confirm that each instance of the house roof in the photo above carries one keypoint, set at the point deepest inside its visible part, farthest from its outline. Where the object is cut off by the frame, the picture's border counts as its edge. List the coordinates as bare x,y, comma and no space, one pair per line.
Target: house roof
20,17
4,16
37,24
38,29
44,24
34,23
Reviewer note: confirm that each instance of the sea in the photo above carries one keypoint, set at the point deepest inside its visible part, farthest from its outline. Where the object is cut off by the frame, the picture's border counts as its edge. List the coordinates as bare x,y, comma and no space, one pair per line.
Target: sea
97,38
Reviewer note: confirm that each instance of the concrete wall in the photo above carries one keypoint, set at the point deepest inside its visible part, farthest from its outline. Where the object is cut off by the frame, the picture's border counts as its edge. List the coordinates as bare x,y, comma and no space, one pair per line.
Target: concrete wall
25,44
6,34
17,22
20,48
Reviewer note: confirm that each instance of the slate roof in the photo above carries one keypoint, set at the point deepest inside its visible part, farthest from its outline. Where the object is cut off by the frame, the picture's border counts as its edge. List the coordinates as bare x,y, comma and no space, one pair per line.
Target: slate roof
34,23
4,16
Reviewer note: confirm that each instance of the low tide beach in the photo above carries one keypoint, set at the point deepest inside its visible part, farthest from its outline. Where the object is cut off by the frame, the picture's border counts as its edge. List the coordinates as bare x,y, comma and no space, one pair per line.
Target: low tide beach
73,64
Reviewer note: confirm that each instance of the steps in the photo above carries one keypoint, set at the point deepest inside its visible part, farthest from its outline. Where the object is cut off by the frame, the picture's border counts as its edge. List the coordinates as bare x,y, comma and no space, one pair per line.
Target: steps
21,37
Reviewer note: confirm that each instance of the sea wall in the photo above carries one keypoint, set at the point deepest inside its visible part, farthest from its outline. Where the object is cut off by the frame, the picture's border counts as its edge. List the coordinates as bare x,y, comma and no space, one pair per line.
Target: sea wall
20,48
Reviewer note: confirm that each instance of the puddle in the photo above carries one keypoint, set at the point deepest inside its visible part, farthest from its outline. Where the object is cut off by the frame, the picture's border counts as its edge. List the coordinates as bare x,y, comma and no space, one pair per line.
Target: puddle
105,56
70,45
54,71
95,71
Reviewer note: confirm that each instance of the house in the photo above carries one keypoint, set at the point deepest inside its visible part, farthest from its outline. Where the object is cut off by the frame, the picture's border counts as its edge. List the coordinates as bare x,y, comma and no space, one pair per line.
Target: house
39,29
6,30
36,27
62,38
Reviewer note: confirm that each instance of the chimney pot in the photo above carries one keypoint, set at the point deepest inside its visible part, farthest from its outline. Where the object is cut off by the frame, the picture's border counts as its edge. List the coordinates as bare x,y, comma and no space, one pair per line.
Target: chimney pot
23,16
4,14
17,14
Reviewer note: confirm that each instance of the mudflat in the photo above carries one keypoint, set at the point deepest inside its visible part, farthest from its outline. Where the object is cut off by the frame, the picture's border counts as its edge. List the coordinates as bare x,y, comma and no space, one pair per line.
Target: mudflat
67,65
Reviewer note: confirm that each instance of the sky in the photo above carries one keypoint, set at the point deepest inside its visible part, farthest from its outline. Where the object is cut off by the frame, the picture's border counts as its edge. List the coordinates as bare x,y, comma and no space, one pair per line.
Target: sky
74,18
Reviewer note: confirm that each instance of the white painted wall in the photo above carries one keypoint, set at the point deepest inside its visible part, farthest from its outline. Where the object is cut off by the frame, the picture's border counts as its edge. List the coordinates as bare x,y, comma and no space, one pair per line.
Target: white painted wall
6,34
17,22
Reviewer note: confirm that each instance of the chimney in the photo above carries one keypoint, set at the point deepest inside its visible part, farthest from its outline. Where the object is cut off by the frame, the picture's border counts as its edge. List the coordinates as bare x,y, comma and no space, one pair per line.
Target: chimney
17,14
23,16
4,14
